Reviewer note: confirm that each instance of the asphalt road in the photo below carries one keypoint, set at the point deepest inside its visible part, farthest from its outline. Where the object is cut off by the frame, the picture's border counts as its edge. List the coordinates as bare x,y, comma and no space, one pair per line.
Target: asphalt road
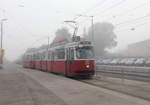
19,86
19,89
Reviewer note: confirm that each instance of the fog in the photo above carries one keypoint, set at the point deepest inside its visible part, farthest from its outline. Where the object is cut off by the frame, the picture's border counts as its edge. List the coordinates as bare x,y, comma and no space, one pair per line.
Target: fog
30,22
104,37
62,34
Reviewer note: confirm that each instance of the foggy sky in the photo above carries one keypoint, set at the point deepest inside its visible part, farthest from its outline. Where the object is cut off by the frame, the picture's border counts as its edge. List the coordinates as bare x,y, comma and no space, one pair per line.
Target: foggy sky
30,22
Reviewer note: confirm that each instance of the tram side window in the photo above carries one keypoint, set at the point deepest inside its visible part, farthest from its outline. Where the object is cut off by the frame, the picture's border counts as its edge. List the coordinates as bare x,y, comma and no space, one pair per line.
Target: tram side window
40,56
49,55
27,57
43,55
24,59
37,56
30,57
55,55
34,57
59,54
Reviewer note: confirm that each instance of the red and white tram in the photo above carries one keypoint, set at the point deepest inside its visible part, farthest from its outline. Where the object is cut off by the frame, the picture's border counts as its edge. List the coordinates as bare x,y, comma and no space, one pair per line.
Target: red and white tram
71,59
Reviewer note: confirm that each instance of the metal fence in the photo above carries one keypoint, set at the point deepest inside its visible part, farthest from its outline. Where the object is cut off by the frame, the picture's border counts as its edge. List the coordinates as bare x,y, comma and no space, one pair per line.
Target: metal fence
124,72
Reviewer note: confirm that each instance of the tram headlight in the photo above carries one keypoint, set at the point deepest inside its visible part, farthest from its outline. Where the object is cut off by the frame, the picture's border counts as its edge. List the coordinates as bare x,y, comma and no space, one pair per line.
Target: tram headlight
87,66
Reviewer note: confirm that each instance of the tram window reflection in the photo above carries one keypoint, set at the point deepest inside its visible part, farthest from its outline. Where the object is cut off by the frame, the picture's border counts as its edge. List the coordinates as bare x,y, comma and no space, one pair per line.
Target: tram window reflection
49,55
84,53
60,54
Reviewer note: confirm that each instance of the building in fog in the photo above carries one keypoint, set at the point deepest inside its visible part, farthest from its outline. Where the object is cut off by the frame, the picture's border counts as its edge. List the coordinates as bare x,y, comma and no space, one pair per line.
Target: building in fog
138,49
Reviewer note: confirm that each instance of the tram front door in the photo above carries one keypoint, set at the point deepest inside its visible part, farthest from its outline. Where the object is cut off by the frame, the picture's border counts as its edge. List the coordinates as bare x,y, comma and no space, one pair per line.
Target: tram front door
69,61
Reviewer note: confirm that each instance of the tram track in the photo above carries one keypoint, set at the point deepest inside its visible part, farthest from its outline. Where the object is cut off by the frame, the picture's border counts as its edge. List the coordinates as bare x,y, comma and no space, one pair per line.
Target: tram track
139,92
138,77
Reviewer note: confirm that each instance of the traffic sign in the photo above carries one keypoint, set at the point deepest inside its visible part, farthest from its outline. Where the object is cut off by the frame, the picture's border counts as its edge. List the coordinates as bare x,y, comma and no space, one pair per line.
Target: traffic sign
1,52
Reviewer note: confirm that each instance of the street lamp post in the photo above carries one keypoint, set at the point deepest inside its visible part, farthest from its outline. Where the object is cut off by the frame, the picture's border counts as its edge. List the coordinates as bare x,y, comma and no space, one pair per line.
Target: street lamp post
1,33
75,27
1,47
2,20
92,24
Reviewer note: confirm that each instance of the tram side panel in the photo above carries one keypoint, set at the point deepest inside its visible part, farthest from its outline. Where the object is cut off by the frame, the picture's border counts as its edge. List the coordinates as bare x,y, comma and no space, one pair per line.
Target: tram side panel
58,64
26,61
44,65
25,64
32,65
38,61
56,61
49,65
44,61
49,61
32,62
38,64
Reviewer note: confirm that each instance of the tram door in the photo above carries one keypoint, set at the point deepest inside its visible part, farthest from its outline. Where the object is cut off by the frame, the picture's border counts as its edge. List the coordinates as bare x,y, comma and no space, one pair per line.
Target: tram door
69,60
52,62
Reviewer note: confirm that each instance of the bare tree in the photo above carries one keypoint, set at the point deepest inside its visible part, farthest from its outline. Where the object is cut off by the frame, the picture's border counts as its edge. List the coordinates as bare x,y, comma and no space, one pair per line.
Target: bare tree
104,37
62,34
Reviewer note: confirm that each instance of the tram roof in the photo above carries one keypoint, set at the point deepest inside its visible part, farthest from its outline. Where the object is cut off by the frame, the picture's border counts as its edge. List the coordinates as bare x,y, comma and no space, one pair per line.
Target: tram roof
64,45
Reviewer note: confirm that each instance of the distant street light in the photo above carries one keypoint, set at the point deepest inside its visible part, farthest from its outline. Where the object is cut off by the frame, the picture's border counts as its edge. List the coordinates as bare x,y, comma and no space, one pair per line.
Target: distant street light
20,5
70,21
4,19
1,49
132,29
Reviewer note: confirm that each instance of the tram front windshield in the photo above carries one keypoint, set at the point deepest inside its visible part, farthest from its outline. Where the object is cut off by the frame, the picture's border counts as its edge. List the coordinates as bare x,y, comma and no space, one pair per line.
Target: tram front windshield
84,52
